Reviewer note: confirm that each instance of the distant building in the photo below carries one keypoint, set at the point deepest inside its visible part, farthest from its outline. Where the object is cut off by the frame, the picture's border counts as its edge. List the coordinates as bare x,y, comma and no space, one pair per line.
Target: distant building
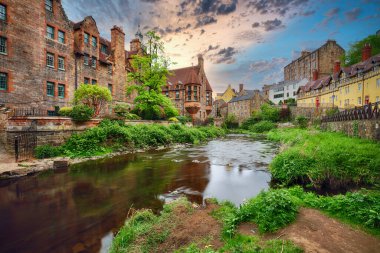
190,91
227,95
245,103
284,90
321,59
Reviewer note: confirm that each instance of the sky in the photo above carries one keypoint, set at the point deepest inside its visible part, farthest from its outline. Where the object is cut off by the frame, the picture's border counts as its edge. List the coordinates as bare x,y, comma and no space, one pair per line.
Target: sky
242,41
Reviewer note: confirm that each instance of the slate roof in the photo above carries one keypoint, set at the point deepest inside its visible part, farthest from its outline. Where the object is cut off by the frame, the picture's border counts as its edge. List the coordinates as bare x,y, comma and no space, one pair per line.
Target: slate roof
188,75
249,95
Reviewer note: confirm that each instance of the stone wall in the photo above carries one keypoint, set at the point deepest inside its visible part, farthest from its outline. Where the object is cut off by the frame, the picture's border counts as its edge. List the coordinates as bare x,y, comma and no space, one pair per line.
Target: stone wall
311,113
368,129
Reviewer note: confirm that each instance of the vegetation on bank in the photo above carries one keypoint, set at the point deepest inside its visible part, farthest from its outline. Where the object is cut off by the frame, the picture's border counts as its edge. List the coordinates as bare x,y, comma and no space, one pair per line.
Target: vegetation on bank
324,160
112,136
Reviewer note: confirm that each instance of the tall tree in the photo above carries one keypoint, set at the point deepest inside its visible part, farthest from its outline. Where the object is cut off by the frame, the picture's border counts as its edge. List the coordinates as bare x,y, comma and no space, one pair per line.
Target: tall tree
149,75
354,54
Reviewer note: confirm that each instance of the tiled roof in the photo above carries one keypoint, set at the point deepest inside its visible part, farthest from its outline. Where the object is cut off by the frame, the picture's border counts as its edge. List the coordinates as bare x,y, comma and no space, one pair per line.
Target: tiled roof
185,76
247,96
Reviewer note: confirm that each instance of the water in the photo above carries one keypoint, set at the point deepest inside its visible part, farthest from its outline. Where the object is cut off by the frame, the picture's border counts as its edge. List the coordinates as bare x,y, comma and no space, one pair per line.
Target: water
80,209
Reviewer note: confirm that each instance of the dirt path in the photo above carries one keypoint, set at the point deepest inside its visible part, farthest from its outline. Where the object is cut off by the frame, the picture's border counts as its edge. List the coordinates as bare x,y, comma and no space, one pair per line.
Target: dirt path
315,232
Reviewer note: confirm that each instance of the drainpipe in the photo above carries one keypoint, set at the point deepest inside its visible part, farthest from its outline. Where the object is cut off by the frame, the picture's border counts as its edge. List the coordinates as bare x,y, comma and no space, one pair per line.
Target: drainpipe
363,90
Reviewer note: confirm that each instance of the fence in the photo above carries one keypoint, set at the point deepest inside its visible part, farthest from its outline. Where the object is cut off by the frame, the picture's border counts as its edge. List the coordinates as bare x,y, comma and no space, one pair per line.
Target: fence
31,112
24,146
370,111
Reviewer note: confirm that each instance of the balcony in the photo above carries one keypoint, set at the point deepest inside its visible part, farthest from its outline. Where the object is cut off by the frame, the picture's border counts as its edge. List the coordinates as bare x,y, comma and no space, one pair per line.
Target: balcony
208,109
192,107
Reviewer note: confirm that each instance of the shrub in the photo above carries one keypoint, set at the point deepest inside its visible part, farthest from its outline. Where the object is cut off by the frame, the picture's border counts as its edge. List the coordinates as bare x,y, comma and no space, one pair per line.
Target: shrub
121,109
94,96
173,119
263,126
82,113
302,122
47,151
332,111
184,119
231,122
285,114
256,117
270,113
132,116
65,111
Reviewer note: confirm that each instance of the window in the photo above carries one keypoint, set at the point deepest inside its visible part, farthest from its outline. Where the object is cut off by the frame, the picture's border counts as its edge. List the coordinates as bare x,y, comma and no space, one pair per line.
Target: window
377,98
167,93
110,88
94,81
86,38
50,89
50,60
3,45
61,90
279,95
110,69
287,94
94,42
61,37
359,100
50,32
49,5
359,86
208,98
85,59
189,93
378,83
93,62
195,93
177,94
86,80
103,49
3,12
347,89
61,63
3,81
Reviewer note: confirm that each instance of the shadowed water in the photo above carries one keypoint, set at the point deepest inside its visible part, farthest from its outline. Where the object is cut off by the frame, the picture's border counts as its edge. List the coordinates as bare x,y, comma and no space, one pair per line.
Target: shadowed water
80,209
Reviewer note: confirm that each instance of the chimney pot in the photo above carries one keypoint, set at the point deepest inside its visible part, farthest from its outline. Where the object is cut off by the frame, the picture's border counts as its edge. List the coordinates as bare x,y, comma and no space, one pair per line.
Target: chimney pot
241,87
336,67
315,75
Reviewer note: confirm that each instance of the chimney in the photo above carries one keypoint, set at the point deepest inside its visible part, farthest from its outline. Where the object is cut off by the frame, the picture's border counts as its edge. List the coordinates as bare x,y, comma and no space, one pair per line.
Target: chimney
118,53
241,87
366,52
336,67
200,61
135,45
304,53
315,75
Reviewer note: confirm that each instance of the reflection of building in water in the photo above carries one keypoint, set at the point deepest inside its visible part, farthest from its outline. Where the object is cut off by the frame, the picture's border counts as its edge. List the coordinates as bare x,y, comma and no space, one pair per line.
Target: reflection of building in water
192,180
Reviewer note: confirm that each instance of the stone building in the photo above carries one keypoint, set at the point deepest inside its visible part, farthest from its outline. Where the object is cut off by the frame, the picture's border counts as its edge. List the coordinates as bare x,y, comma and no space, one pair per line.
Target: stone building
44,56
282,91
321,59
245,103
347,87
227,95
190,91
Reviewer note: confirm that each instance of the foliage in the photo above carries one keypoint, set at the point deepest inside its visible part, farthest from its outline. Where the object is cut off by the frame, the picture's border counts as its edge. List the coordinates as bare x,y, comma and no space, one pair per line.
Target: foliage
262,126
65,111
332,111
81,113
210,121
285,114
132,116
302,121
47,151
324,159
354,54
256,117
151,71
291,102
121,109
173,119
230,122
270,113
184,119
94,96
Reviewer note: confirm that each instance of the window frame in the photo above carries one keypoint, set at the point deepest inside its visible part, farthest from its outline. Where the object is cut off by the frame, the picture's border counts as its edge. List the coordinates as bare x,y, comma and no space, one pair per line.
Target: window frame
86,60
94,42
4,86
86,38
59,37
61,85
110,88
103,48
4,14
48,83
47,60
48,35
5,46
94,81
59,61
49,7
94,62
86,79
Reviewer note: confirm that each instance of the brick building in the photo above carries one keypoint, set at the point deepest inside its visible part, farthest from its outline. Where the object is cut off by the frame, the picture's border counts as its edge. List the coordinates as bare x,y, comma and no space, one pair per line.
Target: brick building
44,56
190,91
321,59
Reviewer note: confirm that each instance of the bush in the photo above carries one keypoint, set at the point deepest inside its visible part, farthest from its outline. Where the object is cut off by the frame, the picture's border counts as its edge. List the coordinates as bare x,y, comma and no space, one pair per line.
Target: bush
270,113
285,114
301,122
332,111
173,119
81,113
65,111
94,96
47,151
263,126
132,116
256,117
231,122
121,109
184,119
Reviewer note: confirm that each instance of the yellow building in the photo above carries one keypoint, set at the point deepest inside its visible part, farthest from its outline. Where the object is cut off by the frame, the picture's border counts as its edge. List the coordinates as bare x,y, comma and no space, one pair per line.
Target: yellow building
347,87
227,95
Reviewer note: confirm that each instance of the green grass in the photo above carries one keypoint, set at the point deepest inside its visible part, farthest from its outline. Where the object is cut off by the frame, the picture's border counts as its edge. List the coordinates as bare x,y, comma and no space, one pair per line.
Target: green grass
323,159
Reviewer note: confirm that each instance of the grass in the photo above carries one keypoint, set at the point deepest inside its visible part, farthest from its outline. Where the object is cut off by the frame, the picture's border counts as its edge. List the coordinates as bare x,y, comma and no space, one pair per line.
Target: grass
324,160
112,136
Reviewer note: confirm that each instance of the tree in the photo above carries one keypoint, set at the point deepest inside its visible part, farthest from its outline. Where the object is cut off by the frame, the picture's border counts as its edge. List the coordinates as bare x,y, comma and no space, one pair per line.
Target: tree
354,54
149,75
94,96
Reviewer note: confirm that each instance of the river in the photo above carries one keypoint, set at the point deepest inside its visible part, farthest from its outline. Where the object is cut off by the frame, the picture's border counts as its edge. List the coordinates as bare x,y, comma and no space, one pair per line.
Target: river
82,208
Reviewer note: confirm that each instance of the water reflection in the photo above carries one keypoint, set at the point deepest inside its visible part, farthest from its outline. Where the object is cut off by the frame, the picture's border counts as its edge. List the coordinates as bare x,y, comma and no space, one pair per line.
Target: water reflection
81,209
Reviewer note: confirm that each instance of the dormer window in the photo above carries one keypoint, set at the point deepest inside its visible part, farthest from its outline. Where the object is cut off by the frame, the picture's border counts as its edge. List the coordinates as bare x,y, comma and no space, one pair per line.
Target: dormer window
49,5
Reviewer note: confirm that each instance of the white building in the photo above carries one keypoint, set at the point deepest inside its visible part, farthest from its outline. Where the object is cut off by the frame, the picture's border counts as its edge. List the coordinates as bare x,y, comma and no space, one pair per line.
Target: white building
284,90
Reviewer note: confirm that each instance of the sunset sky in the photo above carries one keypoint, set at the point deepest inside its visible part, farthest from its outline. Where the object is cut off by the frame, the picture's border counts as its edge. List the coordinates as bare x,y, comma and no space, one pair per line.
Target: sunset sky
243,41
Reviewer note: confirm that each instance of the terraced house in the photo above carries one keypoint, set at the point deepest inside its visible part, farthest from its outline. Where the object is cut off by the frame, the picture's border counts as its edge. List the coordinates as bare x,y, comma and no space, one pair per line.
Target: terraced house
347,87
44,56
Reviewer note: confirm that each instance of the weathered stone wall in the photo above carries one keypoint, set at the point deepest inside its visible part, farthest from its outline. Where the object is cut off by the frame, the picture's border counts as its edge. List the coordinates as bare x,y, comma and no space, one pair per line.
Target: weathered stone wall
368,129
311,113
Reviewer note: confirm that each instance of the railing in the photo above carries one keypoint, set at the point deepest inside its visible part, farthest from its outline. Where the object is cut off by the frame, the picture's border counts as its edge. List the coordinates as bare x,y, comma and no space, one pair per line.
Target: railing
370,111
32,112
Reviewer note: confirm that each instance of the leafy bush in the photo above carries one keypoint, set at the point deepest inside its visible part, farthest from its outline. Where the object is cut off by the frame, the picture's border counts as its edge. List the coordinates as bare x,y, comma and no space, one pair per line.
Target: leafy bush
47,151
132,116
285,114
262,126
270,113
332,111
184,119
231,122
302,122
81,113
173,119
256,117
121,109
65,111
94,96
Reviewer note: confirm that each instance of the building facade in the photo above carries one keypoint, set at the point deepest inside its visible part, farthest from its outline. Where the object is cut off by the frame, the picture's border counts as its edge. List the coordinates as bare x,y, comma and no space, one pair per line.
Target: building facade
190,91
245,103
44,56
282,91
347,87
321,59
227,95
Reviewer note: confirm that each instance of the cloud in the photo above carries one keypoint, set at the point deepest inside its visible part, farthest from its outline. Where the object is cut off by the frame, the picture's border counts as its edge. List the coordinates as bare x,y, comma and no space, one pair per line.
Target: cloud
256,24
329,16
205,20
225,55
263,66
217,7
280,7
274,24
307,13
353,14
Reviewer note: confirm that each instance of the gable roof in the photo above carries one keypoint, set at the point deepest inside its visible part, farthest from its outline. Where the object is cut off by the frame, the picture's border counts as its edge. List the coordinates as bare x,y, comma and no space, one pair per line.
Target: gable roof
248,94
188,75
